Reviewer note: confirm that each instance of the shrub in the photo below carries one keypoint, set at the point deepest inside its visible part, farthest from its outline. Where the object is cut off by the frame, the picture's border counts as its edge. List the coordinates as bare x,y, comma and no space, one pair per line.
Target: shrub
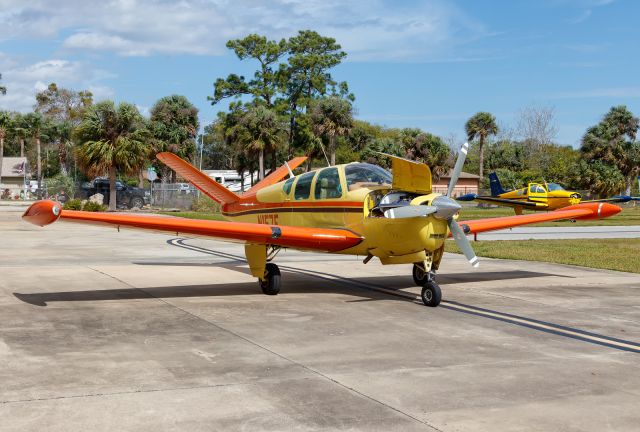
74,204
60,182
205,204
91,206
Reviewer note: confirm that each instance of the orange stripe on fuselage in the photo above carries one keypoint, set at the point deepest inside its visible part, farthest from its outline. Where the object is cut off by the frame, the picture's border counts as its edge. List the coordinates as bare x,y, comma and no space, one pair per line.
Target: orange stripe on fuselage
243,208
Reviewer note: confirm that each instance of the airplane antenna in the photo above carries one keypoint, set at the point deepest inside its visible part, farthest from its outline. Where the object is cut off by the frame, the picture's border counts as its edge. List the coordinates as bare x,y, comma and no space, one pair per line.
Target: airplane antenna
288,169
325,154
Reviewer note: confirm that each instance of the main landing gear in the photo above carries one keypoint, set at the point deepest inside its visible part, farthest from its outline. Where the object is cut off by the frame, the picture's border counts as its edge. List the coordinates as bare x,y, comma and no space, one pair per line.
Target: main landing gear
431,294
270,284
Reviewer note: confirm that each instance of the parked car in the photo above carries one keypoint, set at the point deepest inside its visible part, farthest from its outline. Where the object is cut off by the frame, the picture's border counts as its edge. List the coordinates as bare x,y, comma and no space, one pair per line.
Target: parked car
126,196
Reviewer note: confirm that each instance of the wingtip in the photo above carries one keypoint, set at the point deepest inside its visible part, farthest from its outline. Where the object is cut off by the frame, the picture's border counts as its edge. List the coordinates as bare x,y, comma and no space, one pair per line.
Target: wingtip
42,213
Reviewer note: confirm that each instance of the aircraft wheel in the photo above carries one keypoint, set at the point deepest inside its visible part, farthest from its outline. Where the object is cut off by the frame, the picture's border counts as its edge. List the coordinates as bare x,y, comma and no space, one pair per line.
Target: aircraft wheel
431,294
420,277
271,283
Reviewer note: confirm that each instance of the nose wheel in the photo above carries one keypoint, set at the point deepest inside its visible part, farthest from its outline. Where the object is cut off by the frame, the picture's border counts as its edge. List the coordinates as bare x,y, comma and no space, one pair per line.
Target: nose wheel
270,284
431,294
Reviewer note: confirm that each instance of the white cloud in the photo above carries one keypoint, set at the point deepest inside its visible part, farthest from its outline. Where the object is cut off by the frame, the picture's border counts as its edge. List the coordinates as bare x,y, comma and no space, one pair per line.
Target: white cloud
24,81
374,29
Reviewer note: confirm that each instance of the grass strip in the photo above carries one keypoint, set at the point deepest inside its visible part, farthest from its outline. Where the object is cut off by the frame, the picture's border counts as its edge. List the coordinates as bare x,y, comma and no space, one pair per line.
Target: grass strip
611,254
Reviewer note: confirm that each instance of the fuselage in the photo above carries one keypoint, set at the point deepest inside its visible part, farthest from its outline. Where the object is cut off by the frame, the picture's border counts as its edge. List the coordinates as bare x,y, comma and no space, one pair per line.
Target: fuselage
345,197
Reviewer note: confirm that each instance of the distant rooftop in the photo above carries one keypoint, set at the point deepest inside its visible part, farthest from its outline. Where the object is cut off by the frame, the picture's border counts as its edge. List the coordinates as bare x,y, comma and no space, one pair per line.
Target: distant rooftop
14,166
463,175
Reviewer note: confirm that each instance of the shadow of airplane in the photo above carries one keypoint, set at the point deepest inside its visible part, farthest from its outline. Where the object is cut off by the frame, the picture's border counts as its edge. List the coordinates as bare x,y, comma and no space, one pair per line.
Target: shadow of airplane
301,281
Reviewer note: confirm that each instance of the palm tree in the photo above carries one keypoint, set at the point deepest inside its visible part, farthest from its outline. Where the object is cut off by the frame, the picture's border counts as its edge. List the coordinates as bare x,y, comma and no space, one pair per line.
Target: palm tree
600,178
613,141
480,126
174,125
37,127
112,139
3,89
20,130
332,117
428,149
64,131
6,123
259,129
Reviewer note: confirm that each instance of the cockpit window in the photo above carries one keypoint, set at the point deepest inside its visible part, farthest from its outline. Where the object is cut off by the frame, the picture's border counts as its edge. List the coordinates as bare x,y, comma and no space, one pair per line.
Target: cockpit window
554,187
303,186
328,184
540,189
366,175
287,186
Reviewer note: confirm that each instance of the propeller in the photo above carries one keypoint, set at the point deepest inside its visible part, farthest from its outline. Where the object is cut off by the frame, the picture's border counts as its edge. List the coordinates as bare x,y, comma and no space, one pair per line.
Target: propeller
448,204
443,207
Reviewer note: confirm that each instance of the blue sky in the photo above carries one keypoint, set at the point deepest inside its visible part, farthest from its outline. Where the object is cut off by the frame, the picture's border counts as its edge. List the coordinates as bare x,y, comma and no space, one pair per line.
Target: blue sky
427,64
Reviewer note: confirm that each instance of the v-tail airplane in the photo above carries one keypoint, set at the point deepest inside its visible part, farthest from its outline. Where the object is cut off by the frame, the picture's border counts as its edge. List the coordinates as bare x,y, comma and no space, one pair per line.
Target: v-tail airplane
355,209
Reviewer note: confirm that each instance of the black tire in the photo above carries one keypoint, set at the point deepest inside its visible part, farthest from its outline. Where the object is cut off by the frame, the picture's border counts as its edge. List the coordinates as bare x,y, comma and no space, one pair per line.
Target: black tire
420,277
271,284
136,202
431,294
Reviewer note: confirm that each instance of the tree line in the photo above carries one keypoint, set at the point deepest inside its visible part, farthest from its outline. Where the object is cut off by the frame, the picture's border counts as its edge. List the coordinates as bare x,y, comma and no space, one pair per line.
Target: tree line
606,163
292,105
68,137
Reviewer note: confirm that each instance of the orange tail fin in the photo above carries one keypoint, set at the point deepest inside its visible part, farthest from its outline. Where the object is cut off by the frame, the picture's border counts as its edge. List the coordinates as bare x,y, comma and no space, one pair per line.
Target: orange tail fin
203,182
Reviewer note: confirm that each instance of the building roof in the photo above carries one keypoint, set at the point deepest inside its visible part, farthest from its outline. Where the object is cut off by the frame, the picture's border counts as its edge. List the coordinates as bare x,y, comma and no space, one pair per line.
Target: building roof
14,166
463,175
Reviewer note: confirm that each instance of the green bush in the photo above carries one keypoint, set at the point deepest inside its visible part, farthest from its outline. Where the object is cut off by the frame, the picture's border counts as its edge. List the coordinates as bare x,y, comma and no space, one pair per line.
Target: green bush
61,183
205,204
91,206
74,204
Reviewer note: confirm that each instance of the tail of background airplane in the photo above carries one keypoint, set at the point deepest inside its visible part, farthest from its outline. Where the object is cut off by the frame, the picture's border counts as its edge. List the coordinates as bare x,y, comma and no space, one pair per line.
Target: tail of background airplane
494,183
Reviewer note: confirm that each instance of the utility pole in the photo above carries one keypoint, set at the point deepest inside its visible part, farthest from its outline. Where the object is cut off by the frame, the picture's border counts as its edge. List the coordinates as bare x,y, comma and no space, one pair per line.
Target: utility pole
201,148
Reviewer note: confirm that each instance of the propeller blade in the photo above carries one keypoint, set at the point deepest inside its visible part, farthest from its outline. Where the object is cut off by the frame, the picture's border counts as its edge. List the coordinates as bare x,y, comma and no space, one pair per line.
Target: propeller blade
409,211
463,242
457,169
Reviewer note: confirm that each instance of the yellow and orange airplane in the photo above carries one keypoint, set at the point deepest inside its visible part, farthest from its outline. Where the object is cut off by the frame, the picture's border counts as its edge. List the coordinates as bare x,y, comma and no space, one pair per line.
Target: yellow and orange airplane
535,196
356,209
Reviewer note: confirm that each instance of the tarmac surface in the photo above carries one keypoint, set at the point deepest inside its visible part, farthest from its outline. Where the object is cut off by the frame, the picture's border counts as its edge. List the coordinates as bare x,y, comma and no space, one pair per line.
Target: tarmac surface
104,330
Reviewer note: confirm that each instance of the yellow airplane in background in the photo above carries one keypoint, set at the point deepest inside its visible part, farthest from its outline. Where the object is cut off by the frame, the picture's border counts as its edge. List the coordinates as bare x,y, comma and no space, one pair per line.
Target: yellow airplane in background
535,196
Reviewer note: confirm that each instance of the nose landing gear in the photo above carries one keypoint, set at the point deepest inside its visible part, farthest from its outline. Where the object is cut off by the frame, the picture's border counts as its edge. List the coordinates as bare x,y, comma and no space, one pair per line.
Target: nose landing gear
431,293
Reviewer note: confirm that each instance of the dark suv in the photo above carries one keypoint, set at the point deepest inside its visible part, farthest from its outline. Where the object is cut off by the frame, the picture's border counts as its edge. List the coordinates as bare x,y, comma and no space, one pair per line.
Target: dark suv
126,196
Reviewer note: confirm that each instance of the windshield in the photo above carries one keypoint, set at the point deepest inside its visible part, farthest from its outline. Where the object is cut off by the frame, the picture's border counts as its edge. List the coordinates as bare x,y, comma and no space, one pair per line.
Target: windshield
361,175
554,187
